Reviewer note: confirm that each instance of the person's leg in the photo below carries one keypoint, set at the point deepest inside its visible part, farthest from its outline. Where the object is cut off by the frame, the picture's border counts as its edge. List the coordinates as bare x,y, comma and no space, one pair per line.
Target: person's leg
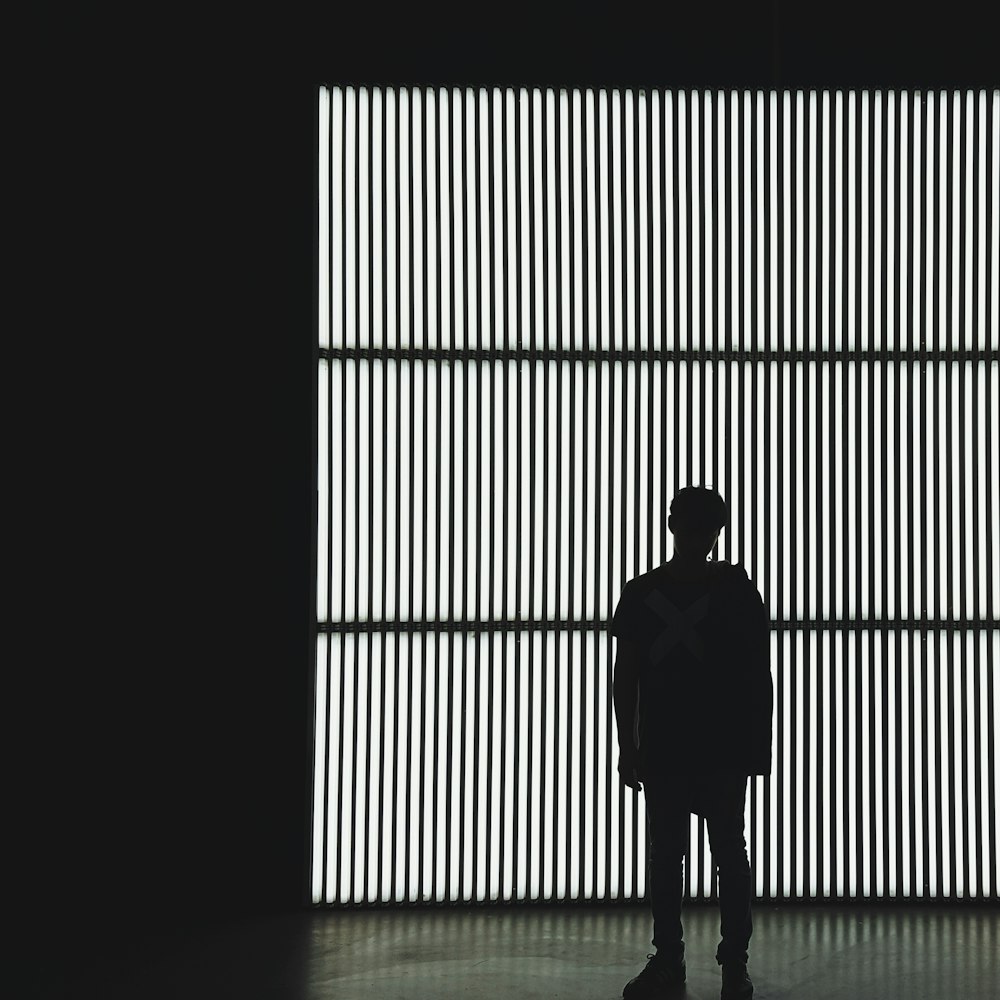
667,825
724,801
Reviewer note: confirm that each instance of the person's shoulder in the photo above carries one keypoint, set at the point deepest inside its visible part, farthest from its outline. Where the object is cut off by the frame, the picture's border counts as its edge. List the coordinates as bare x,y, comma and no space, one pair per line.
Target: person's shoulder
630,588
736,575
742,583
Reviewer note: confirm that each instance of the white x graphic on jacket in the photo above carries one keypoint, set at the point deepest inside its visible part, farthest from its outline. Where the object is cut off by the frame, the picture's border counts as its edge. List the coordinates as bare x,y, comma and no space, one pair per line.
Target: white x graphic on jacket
679,627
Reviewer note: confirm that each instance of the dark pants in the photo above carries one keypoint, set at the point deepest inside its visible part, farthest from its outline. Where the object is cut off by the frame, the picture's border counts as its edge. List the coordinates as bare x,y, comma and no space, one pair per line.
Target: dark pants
670,800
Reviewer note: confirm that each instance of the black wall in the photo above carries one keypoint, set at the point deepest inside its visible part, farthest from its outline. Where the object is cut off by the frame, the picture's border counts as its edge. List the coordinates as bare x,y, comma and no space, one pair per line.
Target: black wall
164,758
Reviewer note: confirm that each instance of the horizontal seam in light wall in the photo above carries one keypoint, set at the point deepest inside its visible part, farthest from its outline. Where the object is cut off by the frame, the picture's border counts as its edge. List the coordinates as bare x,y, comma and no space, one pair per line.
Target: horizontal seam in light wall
853,624
645,354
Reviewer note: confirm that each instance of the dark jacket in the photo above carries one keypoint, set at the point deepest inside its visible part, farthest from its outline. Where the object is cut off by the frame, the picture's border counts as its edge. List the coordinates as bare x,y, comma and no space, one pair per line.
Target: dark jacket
705,695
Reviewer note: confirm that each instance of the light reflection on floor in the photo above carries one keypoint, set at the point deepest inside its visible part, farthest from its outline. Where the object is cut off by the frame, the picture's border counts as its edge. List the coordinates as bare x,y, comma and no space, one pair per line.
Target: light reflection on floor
817,953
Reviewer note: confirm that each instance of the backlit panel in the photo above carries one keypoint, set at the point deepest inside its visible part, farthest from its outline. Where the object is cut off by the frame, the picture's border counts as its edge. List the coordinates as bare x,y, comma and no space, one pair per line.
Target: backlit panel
541,314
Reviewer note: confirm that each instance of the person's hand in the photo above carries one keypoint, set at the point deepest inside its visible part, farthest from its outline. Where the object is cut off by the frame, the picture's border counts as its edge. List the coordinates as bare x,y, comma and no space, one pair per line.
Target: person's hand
627,769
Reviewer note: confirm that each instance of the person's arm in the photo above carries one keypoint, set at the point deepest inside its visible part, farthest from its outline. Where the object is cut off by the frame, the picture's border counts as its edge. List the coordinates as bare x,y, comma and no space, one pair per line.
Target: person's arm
761,692
625,687
626,690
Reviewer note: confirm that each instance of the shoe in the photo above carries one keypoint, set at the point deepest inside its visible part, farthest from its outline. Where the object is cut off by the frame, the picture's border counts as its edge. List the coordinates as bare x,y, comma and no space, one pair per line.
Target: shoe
736,984
660,980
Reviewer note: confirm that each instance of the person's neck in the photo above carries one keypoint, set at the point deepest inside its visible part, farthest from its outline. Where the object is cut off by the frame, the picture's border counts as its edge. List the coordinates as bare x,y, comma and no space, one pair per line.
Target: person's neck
689,567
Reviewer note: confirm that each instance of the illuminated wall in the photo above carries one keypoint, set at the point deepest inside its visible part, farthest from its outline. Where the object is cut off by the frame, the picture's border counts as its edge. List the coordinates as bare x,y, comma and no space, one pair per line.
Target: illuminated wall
539,315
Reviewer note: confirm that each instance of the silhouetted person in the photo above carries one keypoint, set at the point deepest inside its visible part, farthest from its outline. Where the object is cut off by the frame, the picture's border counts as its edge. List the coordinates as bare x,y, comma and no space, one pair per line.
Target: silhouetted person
693,698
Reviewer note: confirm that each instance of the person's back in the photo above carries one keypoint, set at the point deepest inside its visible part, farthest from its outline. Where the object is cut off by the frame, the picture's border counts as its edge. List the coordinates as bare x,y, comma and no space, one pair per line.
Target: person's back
703,676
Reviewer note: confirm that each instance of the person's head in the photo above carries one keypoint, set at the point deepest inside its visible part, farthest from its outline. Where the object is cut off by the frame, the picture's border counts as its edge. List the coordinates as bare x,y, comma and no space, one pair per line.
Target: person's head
697,517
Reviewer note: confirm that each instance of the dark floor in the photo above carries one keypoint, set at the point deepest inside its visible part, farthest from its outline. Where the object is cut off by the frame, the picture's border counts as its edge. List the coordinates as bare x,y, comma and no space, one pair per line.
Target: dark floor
817,953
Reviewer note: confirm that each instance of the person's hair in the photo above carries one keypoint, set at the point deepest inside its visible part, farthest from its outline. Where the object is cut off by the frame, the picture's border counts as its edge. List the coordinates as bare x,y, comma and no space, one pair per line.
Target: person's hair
699,508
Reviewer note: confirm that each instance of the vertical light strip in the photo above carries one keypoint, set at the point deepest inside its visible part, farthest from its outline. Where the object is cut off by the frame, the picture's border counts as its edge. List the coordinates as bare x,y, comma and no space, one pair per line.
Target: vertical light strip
457,488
